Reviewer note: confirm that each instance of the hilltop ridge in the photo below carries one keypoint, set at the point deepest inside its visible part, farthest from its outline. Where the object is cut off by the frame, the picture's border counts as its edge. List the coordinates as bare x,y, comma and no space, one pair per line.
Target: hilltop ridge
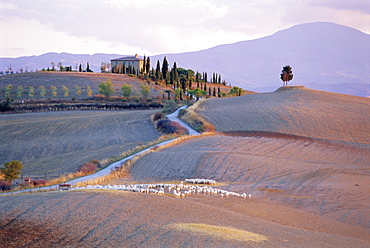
303,112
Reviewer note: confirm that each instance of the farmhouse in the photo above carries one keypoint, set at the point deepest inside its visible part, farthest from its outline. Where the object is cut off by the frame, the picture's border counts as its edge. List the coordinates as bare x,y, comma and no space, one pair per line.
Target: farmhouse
125,64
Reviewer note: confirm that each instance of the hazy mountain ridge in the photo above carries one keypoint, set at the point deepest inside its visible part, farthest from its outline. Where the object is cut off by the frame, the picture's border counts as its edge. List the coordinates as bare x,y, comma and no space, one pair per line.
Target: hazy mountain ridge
324,56
67,59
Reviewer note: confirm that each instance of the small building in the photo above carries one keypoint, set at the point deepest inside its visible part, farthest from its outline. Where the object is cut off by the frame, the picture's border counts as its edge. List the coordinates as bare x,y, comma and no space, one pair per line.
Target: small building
124,64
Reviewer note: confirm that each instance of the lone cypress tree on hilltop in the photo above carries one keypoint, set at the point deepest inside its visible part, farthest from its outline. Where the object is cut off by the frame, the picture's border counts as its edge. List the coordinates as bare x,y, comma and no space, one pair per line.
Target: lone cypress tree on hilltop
286,75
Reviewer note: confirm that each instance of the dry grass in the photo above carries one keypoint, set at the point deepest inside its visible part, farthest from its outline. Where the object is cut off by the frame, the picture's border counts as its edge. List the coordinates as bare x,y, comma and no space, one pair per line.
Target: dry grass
196,121
220,232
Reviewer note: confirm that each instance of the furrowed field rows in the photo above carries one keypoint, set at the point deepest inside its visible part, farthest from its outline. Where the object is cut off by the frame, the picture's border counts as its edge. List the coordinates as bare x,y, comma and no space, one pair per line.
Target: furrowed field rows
58,142
301,172
308,113
124,219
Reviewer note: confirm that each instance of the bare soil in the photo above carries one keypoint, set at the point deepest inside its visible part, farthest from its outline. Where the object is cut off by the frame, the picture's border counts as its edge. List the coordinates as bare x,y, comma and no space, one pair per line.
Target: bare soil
302,112
125,219
55,143
329,180
303,155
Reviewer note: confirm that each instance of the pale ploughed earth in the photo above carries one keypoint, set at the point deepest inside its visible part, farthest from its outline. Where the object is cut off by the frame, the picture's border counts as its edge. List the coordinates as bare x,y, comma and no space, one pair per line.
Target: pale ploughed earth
303,155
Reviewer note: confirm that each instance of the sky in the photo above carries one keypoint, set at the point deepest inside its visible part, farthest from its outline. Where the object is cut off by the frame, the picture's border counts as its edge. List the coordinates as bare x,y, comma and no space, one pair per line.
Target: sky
153,27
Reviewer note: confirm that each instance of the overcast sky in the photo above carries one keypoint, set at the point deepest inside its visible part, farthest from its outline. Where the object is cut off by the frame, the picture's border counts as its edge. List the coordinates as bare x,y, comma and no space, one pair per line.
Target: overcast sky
158,26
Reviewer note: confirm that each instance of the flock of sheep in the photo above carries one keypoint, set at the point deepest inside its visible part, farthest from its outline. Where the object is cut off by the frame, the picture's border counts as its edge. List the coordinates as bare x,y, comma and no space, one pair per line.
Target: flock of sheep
178,190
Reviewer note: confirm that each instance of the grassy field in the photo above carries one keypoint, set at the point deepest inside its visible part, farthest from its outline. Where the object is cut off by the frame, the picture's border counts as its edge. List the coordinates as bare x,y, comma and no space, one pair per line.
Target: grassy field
58,142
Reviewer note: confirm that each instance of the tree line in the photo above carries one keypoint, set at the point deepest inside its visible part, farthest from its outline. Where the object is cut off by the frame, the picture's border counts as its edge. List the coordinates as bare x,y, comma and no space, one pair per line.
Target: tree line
21,92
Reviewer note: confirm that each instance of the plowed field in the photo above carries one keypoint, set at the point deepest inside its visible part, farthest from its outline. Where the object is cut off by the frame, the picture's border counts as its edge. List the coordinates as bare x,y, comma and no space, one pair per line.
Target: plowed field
308,113
54,143
124,219
303,155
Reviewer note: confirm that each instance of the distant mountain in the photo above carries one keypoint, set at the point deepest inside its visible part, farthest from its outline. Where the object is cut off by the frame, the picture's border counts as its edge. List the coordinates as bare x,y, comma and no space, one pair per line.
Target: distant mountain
324,56
67,59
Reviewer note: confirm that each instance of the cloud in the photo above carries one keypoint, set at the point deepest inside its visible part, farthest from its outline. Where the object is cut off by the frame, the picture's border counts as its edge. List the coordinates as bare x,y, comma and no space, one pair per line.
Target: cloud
5,6
40,38
330,11
356,5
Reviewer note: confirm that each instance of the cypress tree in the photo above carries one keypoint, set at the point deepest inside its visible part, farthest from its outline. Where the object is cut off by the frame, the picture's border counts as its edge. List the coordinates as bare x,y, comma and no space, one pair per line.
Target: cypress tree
165,69
181,98
219,79
175,74
79,68
205,77
144,64
147,65
171,77
158,71
183,84
214,91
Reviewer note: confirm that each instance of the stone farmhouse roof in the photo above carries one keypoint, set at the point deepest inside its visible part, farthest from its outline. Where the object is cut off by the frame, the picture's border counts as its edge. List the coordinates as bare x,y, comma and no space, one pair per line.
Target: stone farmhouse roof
129,58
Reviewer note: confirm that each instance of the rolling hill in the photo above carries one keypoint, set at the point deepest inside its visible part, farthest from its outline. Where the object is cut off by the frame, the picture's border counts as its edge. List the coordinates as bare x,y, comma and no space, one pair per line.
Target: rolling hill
302,112
53,143
302,154
303,148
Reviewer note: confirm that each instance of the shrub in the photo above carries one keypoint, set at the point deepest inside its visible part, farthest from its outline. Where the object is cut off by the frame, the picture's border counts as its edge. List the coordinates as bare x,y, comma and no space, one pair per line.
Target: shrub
182,112
158,116
196,121
39,182
97,162
162,123
5,106
169,107
177,128
88,168
4,186
170,127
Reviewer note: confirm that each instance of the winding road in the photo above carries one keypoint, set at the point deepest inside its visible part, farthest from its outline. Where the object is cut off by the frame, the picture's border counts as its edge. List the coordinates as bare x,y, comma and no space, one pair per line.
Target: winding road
107,170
